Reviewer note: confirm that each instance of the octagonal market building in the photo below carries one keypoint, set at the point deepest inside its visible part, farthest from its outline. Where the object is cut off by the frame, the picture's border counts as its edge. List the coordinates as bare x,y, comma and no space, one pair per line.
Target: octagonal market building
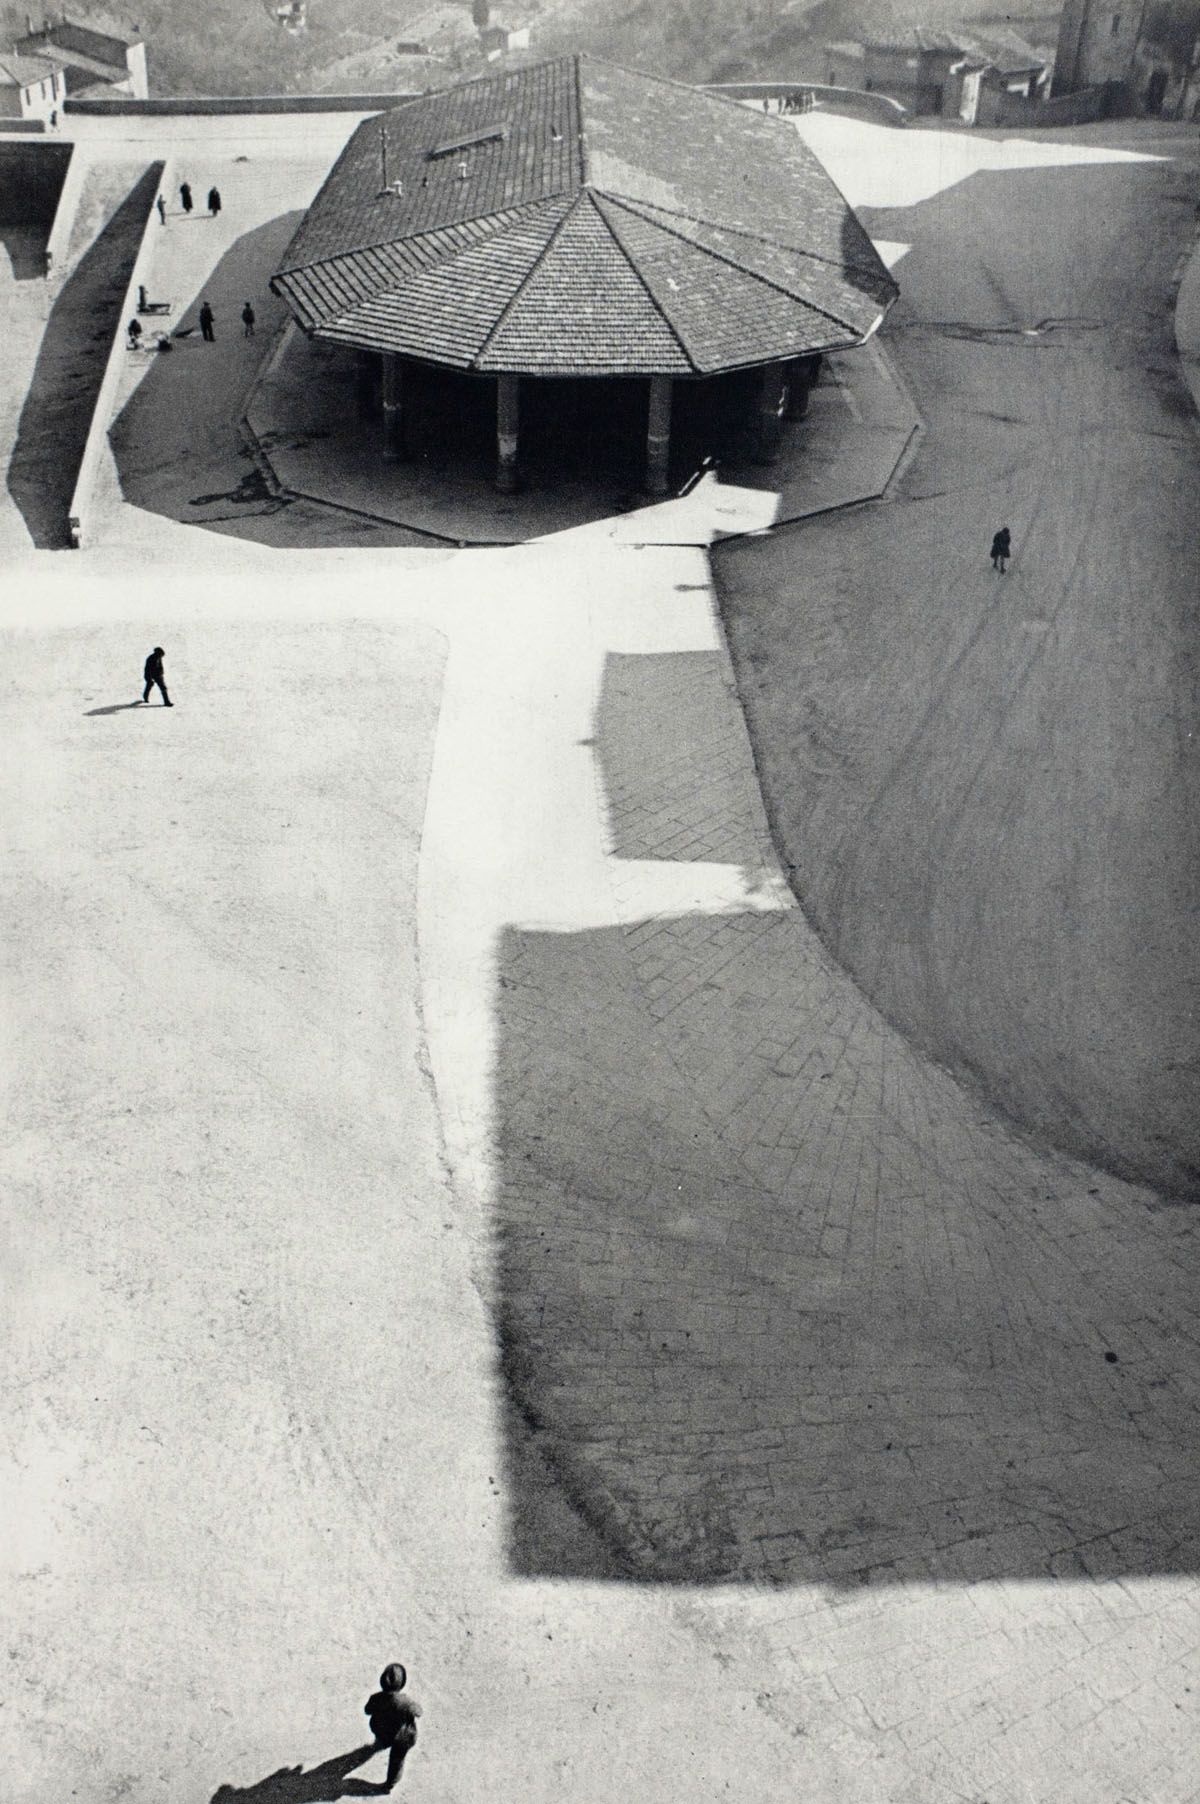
576,261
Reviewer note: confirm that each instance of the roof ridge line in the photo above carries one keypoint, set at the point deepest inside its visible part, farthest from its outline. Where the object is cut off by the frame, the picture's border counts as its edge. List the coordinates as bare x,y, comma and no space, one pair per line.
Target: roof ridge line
665,81
594,196
382,244
580,135
533,267
439,263
633,204
729,263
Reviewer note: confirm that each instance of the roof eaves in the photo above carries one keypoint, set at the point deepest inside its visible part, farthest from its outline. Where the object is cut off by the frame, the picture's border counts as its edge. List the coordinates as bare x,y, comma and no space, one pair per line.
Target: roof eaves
750,274
656,217
502,215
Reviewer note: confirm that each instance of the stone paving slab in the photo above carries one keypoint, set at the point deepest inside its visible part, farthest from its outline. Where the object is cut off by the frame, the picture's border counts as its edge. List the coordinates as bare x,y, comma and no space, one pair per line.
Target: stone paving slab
785,1306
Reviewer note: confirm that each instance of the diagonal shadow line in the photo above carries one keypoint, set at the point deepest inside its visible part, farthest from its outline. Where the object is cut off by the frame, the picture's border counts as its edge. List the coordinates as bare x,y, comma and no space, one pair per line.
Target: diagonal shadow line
114,708
57,414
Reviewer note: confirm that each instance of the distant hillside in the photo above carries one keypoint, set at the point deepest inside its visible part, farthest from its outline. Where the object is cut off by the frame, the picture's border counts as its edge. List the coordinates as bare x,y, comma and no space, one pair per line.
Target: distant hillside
236,47
729,40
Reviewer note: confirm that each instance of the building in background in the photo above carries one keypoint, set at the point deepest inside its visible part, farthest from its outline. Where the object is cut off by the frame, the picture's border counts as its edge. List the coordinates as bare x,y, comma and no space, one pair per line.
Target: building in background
91,62
31,87
942,72
496,40
1148,48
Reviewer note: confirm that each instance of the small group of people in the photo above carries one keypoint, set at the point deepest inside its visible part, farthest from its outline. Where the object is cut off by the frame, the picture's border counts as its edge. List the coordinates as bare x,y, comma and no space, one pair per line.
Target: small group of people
801,102
208,320
187,202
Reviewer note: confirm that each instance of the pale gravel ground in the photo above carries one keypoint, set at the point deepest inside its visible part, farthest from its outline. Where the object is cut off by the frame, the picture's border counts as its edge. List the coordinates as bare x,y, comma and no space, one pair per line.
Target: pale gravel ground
235,1583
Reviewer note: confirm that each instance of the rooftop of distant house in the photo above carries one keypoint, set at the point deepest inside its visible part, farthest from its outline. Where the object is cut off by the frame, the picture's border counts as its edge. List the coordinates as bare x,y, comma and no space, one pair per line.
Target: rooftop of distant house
72,46
895,27
19,71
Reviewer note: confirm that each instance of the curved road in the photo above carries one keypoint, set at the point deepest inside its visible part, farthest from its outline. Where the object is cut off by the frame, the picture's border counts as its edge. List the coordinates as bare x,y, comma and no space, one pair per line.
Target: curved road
986,786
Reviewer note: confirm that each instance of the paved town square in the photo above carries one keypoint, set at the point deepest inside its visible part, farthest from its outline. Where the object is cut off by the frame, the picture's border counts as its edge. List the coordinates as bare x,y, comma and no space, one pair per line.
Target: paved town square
609,1112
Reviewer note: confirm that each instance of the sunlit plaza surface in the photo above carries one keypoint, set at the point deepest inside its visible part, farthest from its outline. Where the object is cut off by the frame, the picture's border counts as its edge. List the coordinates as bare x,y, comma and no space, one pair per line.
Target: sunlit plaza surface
632,1150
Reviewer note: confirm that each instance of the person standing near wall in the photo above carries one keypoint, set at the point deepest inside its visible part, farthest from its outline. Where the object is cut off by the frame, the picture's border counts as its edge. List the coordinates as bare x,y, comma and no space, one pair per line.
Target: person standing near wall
185,196
207,317
214,202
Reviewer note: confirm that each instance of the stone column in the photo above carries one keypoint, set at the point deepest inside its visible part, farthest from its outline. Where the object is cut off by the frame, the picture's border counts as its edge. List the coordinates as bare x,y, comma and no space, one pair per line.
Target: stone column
658,436
508,423
393,408
364,384
799,387
772,398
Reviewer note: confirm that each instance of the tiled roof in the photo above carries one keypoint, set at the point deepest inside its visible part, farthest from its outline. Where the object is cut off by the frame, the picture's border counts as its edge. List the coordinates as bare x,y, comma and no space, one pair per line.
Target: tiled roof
573,217
23,71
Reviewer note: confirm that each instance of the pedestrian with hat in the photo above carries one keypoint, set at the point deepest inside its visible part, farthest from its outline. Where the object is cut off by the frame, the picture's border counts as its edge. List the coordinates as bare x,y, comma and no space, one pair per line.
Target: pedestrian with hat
392,1717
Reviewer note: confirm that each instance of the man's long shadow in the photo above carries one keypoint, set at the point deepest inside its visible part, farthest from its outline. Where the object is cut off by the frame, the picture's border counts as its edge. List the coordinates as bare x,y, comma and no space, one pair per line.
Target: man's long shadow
320,1785
114,708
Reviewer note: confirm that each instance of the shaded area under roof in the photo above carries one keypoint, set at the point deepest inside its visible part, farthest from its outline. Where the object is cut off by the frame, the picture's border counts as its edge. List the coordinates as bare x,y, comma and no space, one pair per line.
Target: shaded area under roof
578,218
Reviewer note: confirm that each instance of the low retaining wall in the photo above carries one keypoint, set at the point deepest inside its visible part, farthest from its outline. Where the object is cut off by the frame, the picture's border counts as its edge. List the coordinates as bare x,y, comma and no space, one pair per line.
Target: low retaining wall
1082,108
32,179
64,216
214,106
22,125
855,103
79,523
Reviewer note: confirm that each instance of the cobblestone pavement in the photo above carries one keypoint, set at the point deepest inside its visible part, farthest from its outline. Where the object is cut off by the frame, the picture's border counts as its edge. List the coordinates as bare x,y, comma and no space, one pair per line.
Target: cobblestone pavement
783,1304
838,1444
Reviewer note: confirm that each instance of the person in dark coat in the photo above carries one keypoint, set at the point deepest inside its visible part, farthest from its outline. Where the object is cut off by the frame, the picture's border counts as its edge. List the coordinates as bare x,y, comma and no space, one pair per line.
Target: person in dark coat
214,201
154,676
392,1717
1001,549
161,204
248,321
134,329
185,196
207,316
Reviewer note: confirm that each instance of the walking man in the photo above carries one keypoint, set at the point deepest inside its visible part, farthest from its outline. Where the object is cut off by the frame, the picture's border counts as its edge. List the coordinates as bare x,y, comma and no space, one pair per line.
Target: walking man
214,201
185,196
161,204
1001,549
247,321
134,329
154,676
392,1717
207,316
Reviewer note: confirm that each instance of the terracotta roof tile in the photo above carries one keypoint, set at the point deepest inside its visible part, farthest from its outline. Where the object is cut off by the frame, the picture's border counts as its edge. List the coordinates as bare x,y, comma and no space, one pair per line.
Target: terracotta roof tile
447,313
722,316
575,217
586,282
528,164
